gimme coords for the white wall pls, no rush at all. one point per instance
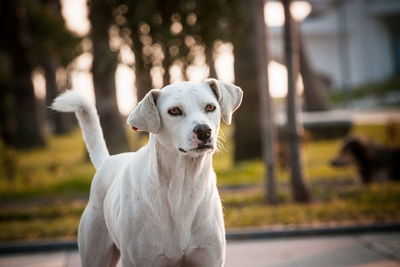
(368, 43)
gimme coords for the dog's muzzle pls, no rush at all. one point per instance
(203, 133)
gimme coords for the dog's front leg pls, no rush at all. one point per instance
(205, 257)
(95, 244)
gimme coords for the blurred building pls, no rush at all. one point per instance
(350, 42)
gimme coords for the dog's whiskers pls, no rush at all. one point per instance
(220, 144)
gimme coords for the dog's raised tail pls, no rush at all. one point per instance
(71, 101)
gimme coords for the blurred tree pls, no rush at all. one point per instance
(133, 14)
(179, 28)
(166, 30)
(7, 118)
(186, 39)
(7, 122)
(104, 65)
(315, 91)
(209, 28)
(298, 180)
(247, 135)
(143, 64)
(267, 122)
(44, 39)
(210, 21)
(151, 27)
(7, 112)
(28, 132)
(55, 47)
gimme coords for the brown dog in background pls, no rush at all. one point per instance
(374, 162)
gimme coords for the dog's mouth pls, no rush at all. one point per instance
(199, 148)
(204, 147)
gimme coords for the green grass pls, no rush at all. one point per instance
(60, 168)
(316, 155)
(43, 192)
(47, 218)
(353, 204)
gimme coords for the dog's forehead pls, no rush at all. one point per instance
(186, 92)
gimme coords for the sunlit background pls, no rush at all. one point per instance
(75, 13)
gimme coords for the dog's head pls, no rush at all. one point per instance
(353, 149)
(185, 116)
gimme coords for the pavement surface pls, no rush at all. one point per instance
(367, 250)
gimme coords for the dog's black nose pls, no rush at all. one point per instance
(203, 132)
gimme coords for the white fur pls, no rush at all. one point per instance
(71, 101)
(160, 206)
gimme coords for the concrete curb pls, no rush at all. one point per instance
(36, 246)
(47, 246)
(312, 231)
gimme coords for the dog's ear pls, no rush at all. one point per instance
(145, 116)
(229, 97)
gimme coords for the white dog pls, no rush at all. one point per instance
(158, 206)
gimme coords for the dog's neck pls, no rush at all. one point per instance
(183, 180)
(172, 163)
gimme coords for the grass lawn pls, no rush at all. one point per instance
(43, 192)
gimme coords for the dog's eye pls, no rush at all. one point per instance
(175, 111)
(210, 108)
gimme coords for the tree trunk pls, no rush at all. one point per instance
(166, 65)
(57, 120)
(28, 128)
(7, 104)
(298, 180)
(315, 91)
(247, 136)
(103, 68)
(7, 114)
(268, 129)
(29, 133)
(142, 71)
(210, 61)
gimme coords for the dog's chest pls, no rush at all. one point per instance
(151, 235)
(164, 219)
(167, 211)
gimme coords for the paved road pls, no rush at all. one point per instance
(365, 250)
